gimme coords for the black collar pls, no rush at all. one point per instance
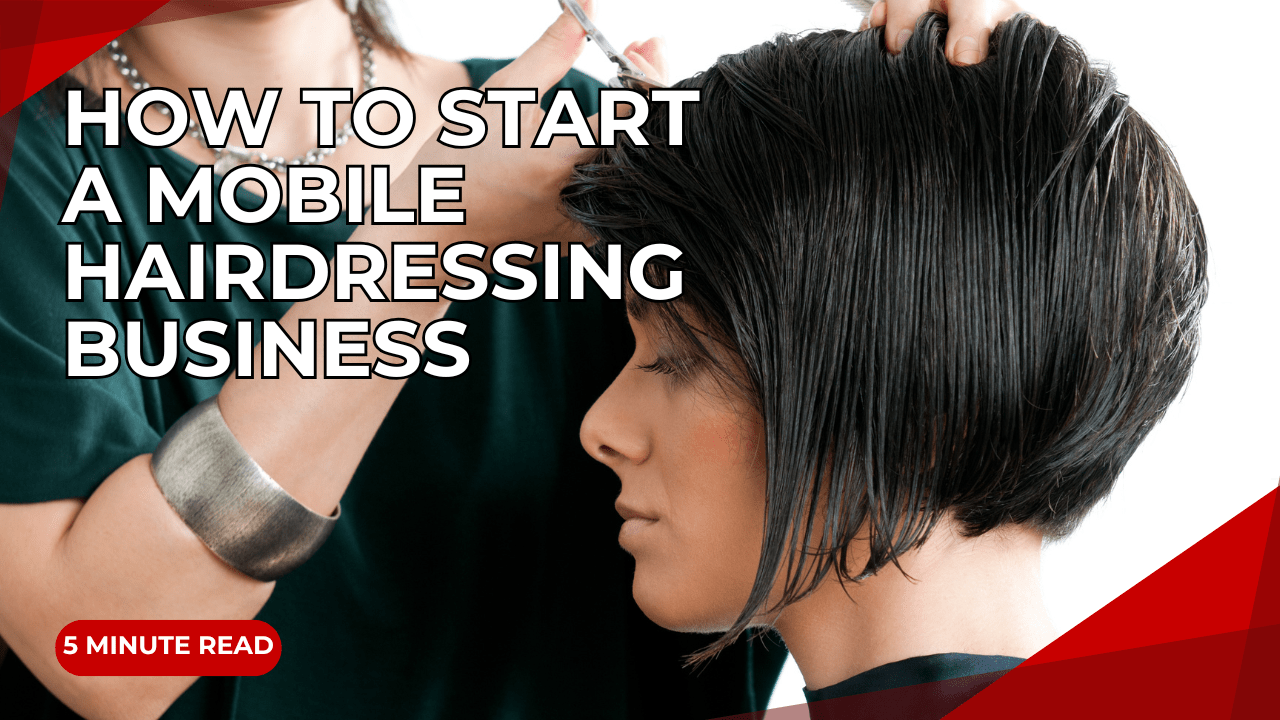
(914, 671)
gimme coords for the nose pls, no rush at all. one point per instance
(614, 431)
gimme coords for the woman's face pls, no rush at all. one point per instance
(691, 461)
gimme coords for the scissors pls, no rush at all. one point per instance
(629, 76)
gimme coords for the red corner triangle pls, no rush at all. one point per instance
(1172, 646)
(49, 37)
(50, 59)
(42, 39)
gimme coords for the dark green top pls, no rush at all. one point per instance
(475, 571)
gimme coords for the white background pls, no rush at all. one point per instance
(1202, 75)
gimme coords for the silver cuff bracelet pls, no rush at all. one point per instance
(230, 502)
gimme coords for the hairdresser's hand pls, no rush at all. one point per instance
(650, 57)
(511, 193)
(971, 23)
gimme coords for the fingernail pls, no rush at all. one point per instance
(903, 36)
(966, 51)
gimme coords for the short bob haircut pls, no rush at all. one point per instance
(946, 290)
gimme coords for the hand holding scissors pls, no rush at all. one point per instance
(629, 74)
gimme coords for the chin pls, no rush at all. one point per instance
(676, 606)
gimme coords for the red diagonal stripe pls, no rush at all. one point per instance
(187, 9)
(49, 59)
(1192, 678)
(17, 34)
(1256, 694)
(63, 19)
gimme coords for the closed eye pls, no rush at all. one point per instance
(677, 369)
(662, 366)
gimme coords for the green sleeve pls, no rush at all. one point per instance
(59, 437)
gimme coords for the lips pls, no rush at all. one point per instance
(630, 513)
(636, 521)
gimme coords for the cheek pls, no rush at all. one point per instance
(724, 481)
(712, 464)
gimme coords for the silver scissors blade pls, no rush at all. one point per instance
(862, 6)
(629, 75)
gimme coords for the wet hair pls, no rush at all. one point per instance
(946, 290)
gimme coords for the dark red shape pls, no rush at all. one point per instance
(1192, 678)
(1258, 692)
(40, 40)
(17, 38)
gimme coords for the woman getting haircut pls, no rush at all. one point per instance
(928, 314)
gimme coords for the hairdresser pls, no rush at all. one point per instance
(430, 548)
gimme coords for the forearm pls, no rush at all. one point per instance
(310, 434)
(121, 554)
(125, 554)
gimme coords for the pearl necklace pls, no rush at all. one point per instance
(230, 156)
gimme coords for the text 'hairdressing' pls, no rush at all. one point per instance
(301, 272)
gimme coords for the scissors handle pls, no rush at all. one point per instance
(629, 75)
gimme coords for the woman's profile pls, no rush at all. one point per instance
(928, 314)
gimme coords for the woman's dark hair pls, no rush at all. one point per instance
(968, 290)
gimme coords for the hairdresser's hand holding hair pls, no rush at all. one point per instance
(512, 193)
(970, 24)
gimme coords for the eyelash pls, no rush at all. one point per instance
(662, 366)
(677, 372)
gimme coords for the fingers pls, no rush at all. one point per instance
(548, 59)
(971, 23)
(900, 20)
(877, 15)
(967, 43)
(650, 57)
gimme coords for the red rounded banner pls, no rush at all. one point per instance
(168, 647)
